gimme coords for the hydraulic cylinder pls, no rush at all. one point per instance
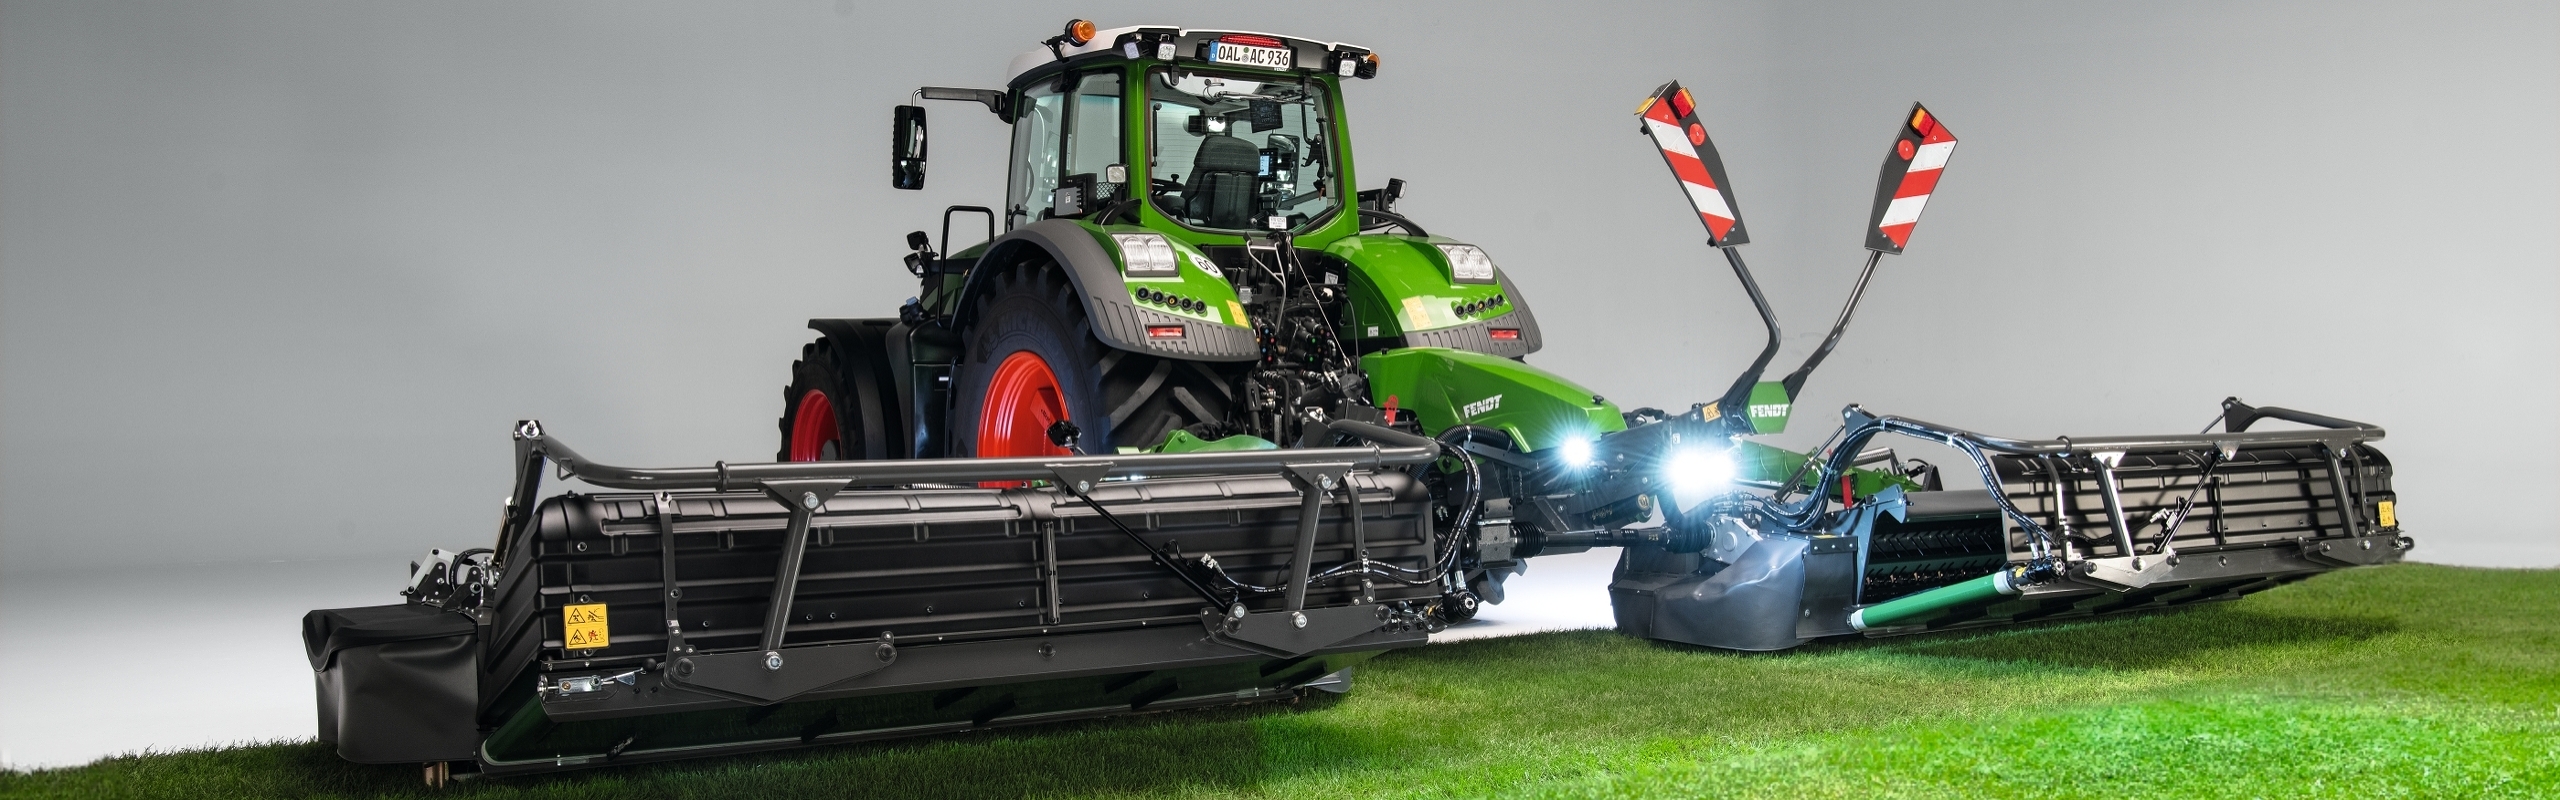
(1919, 606)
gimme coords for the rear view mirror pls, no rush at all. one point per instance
(906, 149)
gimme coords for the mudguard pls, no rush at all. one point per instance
(1402, 291)
(1118, 320)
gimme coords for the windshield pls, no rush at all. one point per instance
(1232, 153)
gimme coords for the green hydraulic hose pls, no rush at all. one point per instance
(1913, 607)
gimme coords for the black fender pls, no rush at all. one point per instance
(1119, 322)
(862, 354)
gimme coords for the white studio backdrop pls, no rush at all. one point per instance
(277, 277)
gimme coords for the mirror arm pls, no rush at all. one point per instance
(995, 99)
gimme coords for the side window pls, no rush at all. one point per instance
(1064, 139)
(1093, 141)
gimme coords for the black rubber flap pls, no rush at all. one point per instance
(327, 631)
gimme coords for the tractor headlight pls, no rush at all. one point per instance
(1468, 263)
(1575, 452)
(1696, 474)
(1146, 254)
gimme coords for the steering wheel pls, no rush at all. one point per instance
(1161, 186)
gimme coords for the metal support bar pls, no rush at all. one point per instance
(786, 578)
(804, 498)
(1739, 395)
(667, 575)
(1794, 381)
(2115, 505)
(2350, 513)
(2061, 508)
(1359, 538)
(1393, 449)
(1049, 568)
(2333, 437)
(1302, 563)
(2355, 464)
(1070, 480)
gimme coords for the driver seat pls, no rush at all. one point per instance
(1219, 193)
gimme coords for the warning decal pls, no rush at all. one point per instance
(582, 627)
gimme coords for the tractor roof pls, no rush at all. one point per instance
(1188, 42)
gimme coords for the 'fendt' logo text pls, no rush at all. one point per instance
(1472, 410)
(1768, 409)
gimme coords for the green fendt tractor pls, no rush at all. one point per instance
(1199, 423)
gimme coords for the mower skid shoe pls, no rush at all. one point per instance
(1751, 604)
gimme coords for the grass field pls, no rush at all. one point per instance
(2402, 681)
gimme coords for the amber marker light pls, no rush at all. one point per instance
(1079, 31)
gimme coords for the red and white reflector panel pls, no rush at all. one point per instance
(1911, 170)
(1671, 118)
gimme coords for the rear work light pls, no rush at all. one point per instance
(1164, 331)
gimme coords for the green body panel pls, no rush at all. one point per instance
(1444, 387)
(1918, 607)
(1769, 407)
(1181, 441)
(1402, 283)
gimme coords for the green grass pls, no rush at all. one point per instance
(2403, 681)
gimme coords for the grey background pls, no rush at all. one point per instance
(275, 277)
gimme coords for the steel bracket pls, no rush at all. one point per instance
(1295, 633)
(769, 677)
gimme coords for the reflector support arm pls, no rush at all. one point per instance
(1794, 382)
(1909, 177)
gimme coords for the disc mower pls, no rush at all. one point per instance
(1197, 424)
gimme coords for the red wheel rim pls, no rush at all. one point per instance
(813, 427)
(1023, 400)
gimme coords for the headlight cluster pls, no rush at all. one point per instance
(1146, 254)
(1468, 263)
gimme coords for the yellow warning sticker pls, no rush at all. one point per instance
(1238, 308)
(582, 627)
(2383, 511)
(1417, 316)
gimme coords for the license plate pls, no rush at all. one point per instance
(1251, 56)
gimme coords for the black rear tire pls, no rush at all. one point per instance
(1118, 398)
(848, 367)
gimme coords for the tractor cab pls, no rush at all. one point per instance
(1206, 136)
